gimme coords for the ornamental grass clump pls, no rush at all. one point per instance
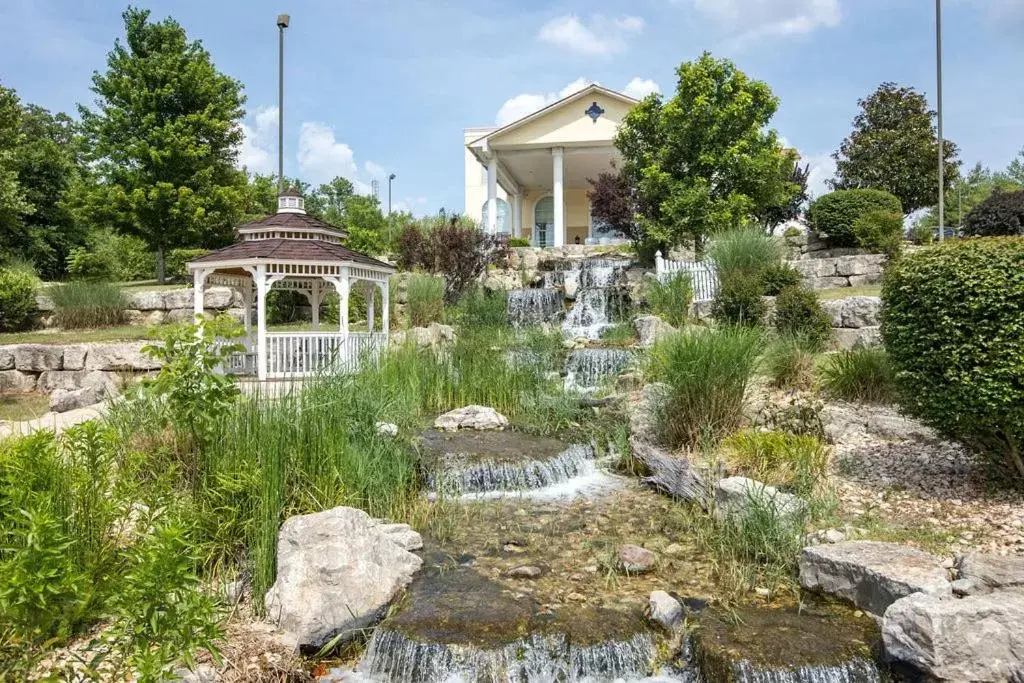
(671, 300)
(83, 304)
(708, 372)
(953, 326)
(861, 375)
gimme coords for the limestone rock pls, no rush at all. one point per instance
(218, 298)
(665, 610)
(471, 417)
(138, 318)
(992, 572)
(734, 495)
(815, 268)
(178, 298)
(203, 673)
(148, 300)
(872, 574)
(524, 572)
(337, 570)
(95, 388)
(51, 380)
(44, 302)
(633, 559)
(432, 336)
(861, 264)
(404, 535)
(120, 356)
(38, 357)
(74, 356)
(834, 309)
(17, 381)
(977, 638)
(387, 429)
(863, 338)
(187, 315)
(650, 329)
(6, 357)
(861, 311)
(643, 421)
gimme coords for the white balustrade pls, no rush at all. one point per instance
(703, 275)
(303, 354)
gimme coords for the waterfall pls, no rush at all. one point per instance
(587, 367)
(534, 306)
(856, 670)
(596, 286)
(487, 476)
(393, 656)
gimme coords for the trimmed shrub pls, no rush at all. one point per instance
(88, 304)
(791, 462)
(17, 299)
(833, 215)
(671, 300)
(745, 251)
(739, 301)
(862, 375)
(1000, 214)
(707, 373)
(880, 231)
(778, 277)
(518, 242)
(798, 312)
(174, 264)
(954, 329)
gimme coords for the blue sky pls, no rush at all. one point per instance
(381, 86)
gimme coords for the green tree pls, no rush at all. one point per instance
(971, 189)
(359, 215)
(165, 134)
(705, 159)
(14, 205)
(894, 147)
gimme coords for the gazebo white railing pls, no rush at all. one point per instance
(303, 354)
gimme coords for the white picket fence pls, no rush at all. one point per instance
(303, 354)
(703, 275)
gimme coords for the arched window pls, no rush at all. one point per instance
(503, 216)
(544, 222)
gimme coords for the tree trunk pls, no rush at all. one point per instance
(161, 275)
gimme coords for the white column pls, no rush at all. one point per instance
(314, 302)
(371, 294)
(559, 195)
(517, 214)
(262, 286)
(344, 286)
(198, 280)
(385, 314)
(492, 196)
(247, 305)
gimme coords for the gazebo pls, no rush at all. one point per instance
(292, 250)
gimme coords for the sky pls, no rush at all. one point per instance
(374, 87)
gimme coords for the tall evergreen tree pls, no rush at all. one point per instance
(165, 134)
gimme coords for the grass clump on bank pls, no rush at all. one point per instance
(789, 364)
(425, 302)
(671, 300)
(862, 375)
(79, 305)
(708, 373)
(791, 462)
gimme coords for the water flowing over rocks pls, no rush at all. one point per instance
(977, 638)
(585, 368)
(337, 571)
(471, 417)
(535, 306)
(872, 574)
(599, 288)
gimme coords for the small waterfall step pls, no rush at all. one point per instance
(535, 306)
(585, 368)
(598, 287)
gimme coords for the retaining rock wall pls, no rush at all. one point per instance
(855, 321)
(840, 271)
(154, 307)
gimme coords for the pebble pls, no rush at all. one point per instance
(524, 572)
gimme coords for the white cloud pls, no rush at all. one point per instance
(600, 37)
(321, 157)
(823, 168)
(525, 104)
(752, 20)
(639, 88)
(375, 170)
(258, 135)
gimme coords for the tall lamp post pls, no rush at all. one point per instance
(942, 145)
(390, 178)
(282, 23)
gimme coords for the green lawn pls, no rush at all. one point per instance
(124, 333)
(844, 292)
(20, 407)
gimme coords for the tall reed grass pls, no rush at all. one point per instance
(425, 303)
(745, 251)
(80, 305)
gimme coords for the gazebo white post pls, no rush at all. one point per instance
(557, 154)
(371, 294)
(314, 302)
(198, 280)
(247, 306)
(261, 321)
(385, 298)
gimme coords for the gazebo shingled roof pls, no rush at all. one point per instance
(291, 221)
(289, 250)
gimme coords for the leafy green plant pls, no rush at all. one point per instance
(671, 299)
(425, 300)
(708, 373)
(792, 462)
(109, 256)
(880, 231)
(740, 301)
(789, 363)
(862, 375)
(832, 216)
(1001, 214)
(922, 233)
(176, 260)
(515, 242)
(745, 251)
(777, 278)
(79, 305)
(954, 331)
(792, 231)
(17, 299)
(798, 313)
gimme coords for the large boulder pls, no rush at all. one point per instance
(650, 329)
(978, 638)
(96, 387)
(863, 338)
(861, 264)
(872, 574)
(74, 356)
(734, 496)
(7, 357)
(643, 420)
(127, 356)
(862, 311)
(17, 381)
(471, 417)
(987, 573)
(38, 357)
(337, 570)
(149, 300)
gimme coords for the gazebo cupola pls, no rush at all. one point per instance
(295, 251)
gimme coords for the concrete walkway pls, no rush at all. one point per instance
(58, 422)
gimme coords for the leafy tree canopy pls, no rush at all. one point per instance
(894, 147)
(165, 133)
(792, 206)
(14, 205)
(705, 159)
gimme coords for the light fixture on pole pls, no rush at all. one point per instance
(390, 178)
(282, 23)
(942, 144)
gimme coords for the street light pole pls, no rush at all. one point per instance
(942, 155)
(282, 23)
(390, 178)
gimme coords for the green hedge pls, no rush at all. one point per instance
(953, 325)
(833, 215)
(1000, 214)
(17, 299)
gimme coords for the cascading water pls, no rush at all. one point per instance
(856, 670)
(587, 367)
(534, 306)
(496, 476)
(596, 286)
(392, 656)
